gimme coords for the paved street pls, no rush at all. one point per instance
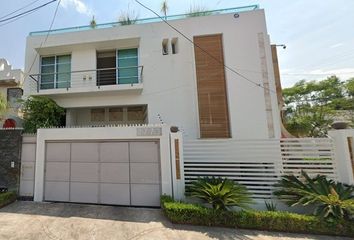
(36, 221)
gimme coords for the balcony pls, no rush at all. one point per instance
(88, 81)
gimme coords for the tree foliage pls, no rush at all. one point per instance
(311, 106)
(3, 105)
(332, 200)
(40, 112)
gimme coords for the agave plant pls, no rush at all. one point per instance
(332, 200)
(271, 206)
(220, 193)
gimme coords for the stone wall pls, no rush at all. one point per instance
(10, 158)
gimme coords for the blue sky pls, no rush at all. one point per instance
(319, 34)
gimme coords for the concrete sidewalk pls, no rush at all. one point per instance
(37, 221)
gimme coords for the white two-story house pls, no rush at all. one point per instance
(215, 81)
(147, 73)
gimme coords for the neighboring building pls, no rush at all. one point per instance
(11, 81)
(147, 72)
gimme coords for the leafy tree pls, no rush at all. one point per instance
(3, 105)
(350, 87)
(40, 112)
(220, 193)
(312, 106)
(331, 200)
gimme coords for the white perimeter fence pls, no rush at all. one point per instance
(258, 164)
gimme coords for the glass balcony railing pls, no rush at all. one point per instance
(147, 20)
(88, 79)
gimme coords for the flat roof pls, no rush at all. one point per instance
(147, 20)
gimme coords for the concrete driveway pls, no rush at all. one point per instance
(37, 221)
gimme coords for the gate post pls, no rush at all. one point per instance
(177, 166)
(344, 154)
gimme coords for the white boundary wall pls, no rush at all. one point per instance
(345, 159)
(159, 132)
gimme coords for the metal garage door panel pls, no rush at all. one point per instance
(58, 152)
(56, 191)
(57, 171)
(145, 173)
(114, 194)
(144, 152)
(84, 192)
(28, 152)
(84, 172)
(145, 195)
(84, 152)
(114, 172)
(114, 152)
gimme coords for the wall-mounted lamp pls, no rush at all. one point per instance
(281, 45)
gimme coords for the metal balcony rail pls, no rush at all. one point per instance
(88, 78)
(148, 20)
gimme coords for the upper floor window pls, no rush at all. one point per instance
(118, 67)
(55, 72)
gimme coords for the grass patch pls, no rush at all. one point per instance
(185, 213)
(7, 198)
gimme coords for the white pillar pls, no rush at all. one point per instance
(177, 166)
(343, 156)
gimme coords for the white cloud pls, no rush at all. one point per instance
(78, 5)
(336, 45)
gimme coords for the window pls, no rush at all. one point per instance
(174, 46)
(116, 114)
(98, 115)
(127, 60)
(165, 47)
(55, 72)
(136, 113)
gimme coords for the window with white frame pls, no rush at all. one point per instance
(55, 72)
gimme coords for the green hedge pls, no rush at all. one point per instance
(184, 213)
(7, 198)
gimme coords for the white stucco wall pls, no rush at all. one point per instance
(169, 82)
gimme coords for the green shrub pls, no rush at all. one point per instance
(220, 193)
(331, 200)
(7, 198)
(40, 112)
(185, 213)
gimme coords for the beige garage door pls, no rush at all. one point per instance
(119, 173)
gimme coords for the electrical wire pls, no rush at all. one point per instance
(18, 18)
(46, 38)
(28, 11)
(205, 51)
(31, 3)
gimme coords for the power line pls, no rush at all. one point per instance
(46, 38)
(205, 51)
(28, 11)
(18, 18)
(31, 3)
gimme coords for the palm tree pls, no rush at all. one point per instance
(164, 8)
